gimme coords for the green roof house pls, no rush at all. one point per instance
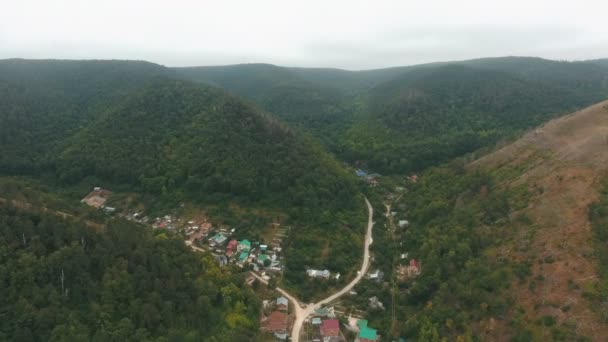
(244, 245)
(262, 258)
(366, 334)
(243, 256)
(217, 240)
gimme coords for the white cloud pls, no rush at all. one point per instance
(338, 33)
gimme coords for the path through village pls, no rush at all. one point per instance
(302, 311)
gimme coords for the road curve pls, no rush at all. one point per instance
(302, 313)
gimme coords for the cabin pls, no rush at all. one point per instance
(366, 334)
(318, 274)
(217, 240)
(330, 330)
(376, 276)
(282, 304)
(96, 198)
(244, 246)
(276, 323)
(262, 258)
(231, 248)
(243, 257)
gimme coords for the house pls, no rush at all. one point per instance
(325, 312)
(221, 259)
(282, 304)
(318, 274)
(243, 257)
(366, 334)
(231, 247)
(316, 321)
(414, 268)
(377, 276)
(217, 240)
(97, 197)
(360, 173)
(330, 330)
(244, 246)
(374, 303)
(277, 323)
(262, 258)
(403, 223)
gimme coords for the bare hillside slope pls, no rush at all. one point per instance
(559, 165)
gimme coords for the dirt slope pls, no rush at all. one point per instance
(560, 165)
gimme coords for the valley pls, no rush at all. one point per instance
(238, 201)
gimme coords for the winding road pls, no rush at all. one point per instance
(301, 311)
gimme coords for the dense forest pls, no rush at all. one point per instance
(63, 281)
(405, 119)
(320, 110)
(457, 218)
(274, 140)
(43, 102)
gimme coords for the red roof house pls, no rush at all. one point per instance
(330, 328)
(276, 322)
(231, 247)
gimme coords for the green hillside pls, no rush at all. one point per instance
(318, 109)
(62, 281)
(430, 115)
(44, 101)
(202, 144)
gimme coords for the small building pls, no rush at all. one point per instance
(375, 303)
(366, 334)
(231, 248)
(403, 223)
(316, 321)
(222, 260)
(96, 198)
(262, 258)
(276, 323)
(414, 268)
(244, 246)
(217, 240)
(376, 276)
(282, 304)
(318, 274)
(325, 312)
(243, 257)
(360, 173)
(330, 330)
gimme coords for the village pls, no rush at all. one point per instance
(336, 321)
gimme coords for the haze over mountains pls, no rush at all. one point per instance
(259, 145)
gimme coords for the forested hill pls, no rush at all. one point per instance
(318, 109)
(427, 116)
(202, 144)
(44, 101)
(61, 281)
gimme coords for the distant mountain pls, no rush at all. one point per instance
(318, 109)
(431, 114)
(44, 101)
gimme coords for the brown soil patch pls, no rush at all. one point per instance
(560, 164)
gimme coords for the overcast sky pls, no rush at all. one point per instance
(329, 33)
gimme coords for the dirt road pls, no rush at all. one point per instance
(302, 313)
